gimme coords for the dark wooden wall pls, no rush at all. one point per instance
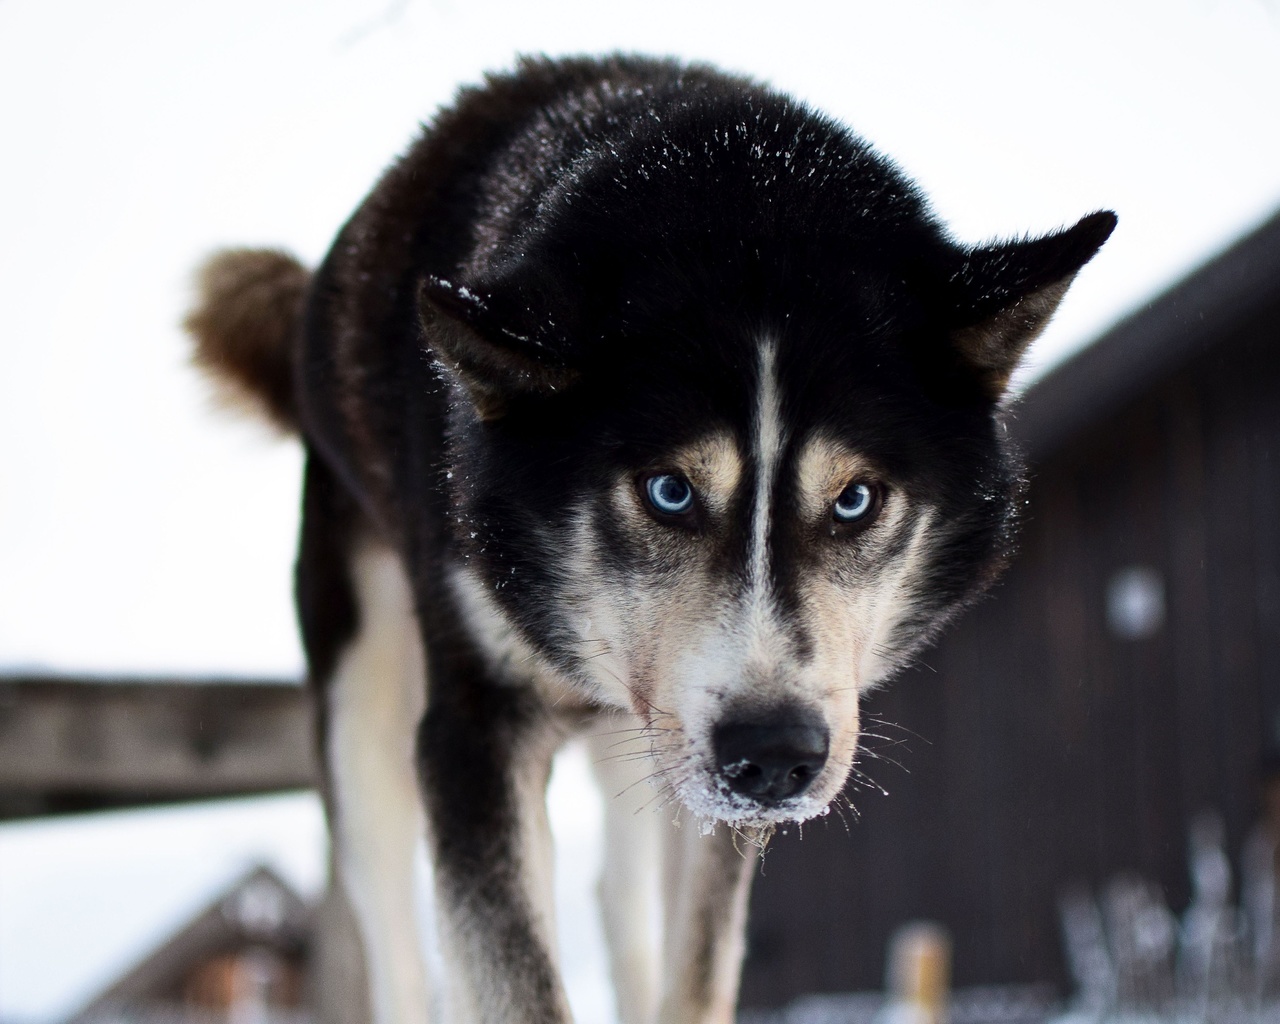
(1038, 748)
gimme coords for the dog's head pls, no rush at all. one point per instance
(729, 427)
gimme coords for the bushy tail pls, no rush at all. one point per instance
(245, 324)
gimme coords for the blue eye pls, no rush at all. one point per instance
(856, 501)
(669, 494)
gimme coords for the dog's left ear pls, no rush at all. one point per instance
(493, 362)
(1004, 294)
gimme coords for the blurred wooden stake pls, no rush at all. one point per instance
(918, 975)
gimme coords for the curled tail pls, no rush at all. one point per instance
(245, 324)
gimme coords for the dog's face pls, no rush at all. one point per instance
(729, 486)
(738, 593)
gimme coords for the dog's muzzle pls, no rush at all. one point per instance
(771, 757)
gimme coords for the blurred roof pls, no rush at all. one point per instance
(259, 909)
(1203, 309)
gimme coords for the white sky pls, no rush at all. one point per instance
(141, 533)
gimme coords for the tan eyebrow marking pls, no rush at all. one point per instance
(712, 464)
(714, 467)
(825, 468)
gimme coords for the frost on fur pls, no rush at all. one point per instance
(245, 320)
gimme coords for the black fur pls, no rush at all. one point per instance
(568, 276)
(634, 227)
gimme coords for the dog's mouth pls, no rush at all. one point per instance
(714, 798)
(763, 770)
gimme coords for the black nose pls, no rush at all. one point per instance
(771, 757)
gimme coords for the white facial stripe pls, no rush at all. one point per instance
(768, 448)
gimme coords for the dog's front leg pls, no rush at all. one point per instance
(485, 755)
(706, 882)
(628, 880)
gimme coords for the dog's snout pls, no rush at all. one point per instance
(770, 758)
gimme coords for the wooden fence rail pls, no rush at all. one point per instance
(83, 744)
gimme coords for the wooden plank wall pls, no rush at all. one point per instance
(1035, 746)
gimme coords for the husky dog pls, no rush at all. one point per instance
(643, 402)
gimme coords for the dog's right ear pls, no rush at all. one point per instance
(493, 363)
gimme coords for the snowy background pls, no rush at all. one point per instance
(141, 533)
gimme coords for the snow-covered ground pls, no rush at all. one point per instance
(139, 532)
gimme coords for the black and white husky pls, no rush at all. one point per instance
(644, 403)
